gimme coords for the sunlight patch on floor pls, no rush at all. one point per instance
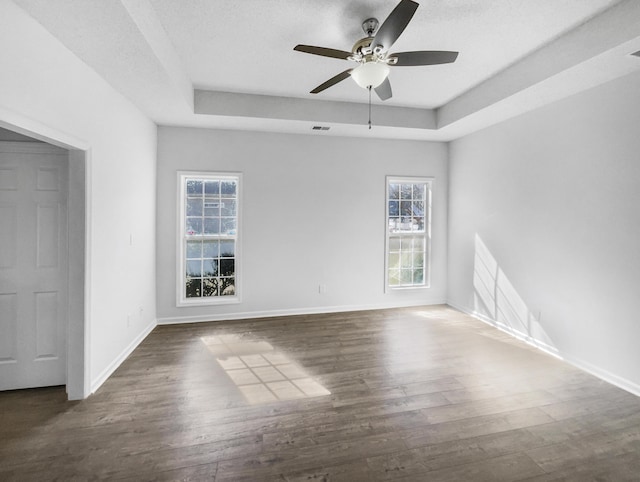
(260, 372)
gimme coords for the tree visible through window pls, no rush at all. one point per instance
(408, 207)
(209, 237)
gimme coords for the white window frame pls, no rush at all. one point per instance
(428, 181)
(181, 241)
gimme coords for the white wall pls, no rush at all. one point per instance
(545, 225)
(313, 213)
(46, 90)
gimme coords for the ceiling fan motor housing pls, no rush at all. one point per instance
(363, 46)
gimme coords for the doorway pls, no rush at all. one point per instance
(42, 265)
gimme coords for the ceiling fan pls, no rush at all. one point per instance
(372, 53)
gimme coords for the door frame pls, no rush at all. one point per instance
(78, 370)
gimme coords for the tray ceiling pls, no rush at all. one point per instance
(237, 60)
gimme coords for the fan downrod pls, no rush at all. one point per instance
(369, 26)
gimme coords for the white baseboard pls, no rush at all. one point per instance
(605, 375)
(550, 350)
(290, 312)
(113, 366)
(598, 372)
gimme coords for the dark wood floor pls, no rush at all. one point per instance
(415, 394)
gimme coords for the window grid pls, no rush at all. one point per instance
(406, 203)
(406, 260)
(209, 237)
(407, 230)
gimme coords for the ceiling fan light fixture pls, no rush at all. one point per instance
(371, 53)
(370, 74)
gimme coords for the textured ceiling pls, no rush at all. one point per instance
(231, 64)
(246, 46)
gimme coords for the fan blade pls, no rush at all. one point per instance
(384, 90)
(332, 81)
(394, 25)
(324, 52)
(424, 57)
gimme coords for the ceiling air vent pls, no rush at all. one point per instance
(320, 128)
(637, 54)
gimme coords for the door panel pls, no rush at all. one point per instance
(8, 315)
(33, 265)
(46, 325)
(47, 235)
(8, 242)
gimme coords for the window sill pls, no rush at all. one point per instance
(390, 289)
(230, 300)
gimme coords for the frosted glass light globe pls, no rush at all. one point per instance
(370, 74)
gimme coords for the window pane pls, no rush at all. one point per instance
(227, 287)
(394, 208)
(193, 286)
(394, 191)
(211, 225)
(194, 187)
(406, 276)
(194, 249)
(228, 189)
(228, 226)
(418, 276)
(394, 260)
(394, 224)
(418, 208)
(210, 249)
(405, 191)
(418, 191)
(394, 244)
(212, 208)
(194, 207)
(407, 244)
(418, 260)
(210, 267)
(210, 287)
(406, 260)
(405, 223)
(227, 249)
(418, 224)
(212, 188)
(194, 226)
(228, 208)
(227, 267)
(405, 208)
(394, 277)
(194, 268)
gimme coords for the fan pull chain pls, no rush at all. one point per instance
(369, 107)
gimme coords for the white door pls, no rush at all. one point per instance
(33, 265)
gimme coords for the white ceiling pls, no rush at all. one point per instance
(515, 55)
(247, 46)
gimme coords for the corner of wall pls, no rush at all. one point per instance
(583, 365)
(113, 366)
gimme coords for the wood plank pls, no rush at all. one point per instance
(423, 393)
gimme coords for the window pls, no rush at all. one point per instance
(408, 232)
(208, 244)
